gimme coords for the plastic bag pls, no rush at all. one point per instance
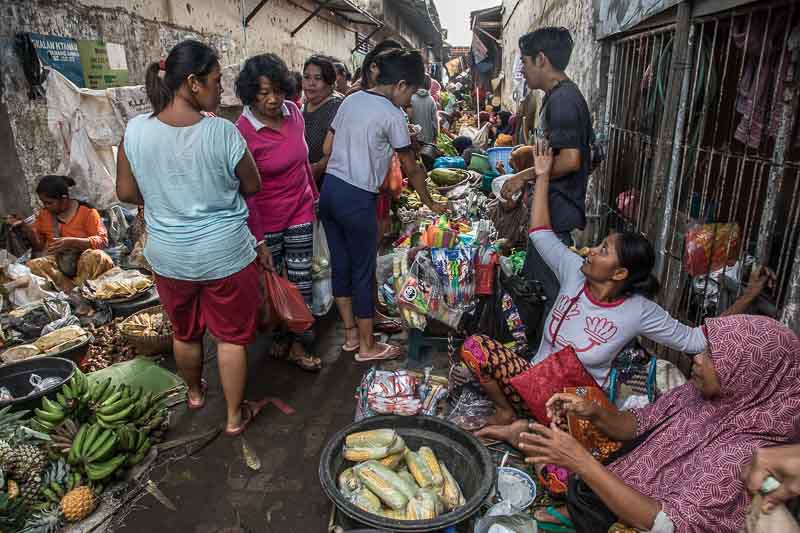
(322, 285)
(710, 247)
(286, 304)
(505, 518)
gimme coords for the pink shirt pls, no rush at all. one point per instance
(436, 89)
(288, 191)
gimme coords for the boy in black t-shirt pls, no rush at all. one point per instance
(566, 122)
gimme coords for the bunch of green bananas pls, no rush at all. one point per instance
(55, 491)
(68, 400)
(95, 450)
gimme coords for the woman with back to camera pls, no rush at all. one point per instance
(192, 173)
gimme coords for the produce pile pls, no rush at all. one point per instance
(54, 466)
(108, 347)
(147, 325)
(409, 199)
(392, 481)
(445, 177)
(50, 344)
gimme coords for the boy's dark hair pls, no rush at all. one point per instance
(269, 66)
(400, 65)
(428, 83)
(326, 67)
(555, 43)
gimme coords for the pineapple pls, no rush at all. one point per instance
(13, 489)
(7, 457)
(30, 462)
(48, 520)
(30, 490)
(78, 503)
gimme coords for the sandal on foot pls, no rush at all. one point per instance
(350, 348)
(249, 413)
(279, 347)
(307, 362)
(565, 525)
(198, 404)
(389, 352)
(388, 325)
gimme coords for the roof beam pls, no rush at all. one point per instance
(254, 12)
(313, 14)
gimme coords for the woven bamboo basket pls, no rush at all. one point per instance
(151, 344)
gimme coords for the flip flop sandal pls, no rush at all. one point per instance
(198, 404)
(350, 348)
(279, 349)
(307, 362)
(390, 352)
(389, 326)
(566, 525)
(252, 410)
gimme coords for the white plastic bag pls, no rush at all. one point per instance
(322, 286)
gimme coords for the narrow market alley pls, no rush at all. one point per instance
(399, 266)
(214, 490)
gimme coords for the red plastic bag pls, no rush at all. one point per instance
(286, 305)
(709, 247)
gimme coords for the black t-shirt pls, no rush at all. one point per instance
(567, 123)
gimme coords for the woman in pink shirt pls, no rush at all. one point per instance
(282, 213)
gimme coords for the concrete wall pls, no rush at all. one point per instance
(522, 16)
(147, 29)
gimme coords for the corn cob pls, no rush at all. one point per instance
(365, 499)
(393, 514)
(427, 455)
(419, 469)
(349, 482)
(358, 455)
(452, 497)
(383, 482)
(425, 505)
(376, 438)
(409, 486)
(392, 461)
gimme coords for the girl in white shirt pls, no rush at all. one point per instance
(603, 303)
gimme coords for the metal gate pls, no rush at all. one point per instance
(734, 155)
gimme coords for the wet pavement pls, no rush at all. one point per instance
(214, 490)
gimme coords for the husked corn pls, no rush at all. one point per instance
(452, 497)
(349, 482)
(419, 469)
(398, 446)
(409, 486)
(392, 461)
(364, 499)
(425, 505)
(376, 438)
(383, 482)
(427, 455)
(358, 455)
(393, 514)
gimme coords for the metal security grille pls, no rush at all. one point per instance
(735, 161)
(362, 43)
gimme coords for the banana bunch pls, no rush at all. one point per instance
(55, 491)
(68, 400)
(95, 449)
(63, 436)
(136, 443)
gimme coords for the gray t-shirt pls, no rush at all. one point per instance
(368, 129)
(597, 330)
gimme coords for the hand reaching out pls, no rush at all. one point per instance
(542, 158)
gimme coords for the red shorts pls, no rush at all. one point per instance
(228, 307)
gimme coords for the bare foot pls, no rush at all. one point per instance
(507, 433)
(502, 417)
(351, 340)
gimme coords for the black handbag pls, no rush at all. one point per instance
(586, 510)
(529, 297)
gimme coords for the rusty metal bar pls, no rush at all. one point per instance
(674, 168)
(254, 12)
(656, 203)
(311, 15)
(656, 31)
(782, 144)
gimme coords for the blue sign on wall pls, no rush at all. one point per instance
(60, 53)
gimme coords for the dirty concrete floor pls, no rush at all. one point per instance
(214, 490)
